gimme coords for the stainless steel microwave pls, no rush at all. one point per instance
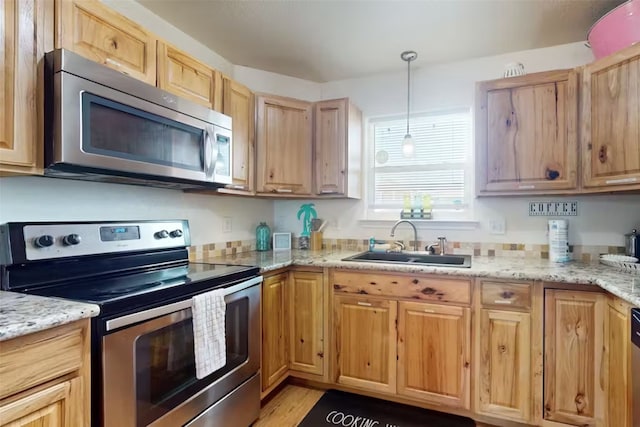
(102, 125)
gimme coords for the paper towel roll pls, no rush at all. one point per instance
(558, 240)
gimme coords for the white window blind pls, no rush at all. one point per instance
(437, 167)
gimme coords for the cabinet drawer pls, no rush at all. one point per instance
(516, 295)
(35, 359)
(412, 286)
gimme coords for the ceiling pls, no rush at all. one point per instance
(326, 40)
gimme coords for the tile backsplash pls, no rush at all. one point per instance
(584, 253)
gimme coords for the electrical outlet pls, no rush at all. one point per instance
(227, 224)
(497, 226)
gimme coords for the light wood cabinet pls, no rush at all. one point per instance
(51, 390)
(187, 77)
(526, 134)
(98, 33)
(611, 122)
(504, 366)
(284, 142)
(306, 306)
(53, 406)
(239, 104)
(275, 329)
(618, 364)
(365, 343)
(337, 144)
(574, 392)
(25, 33)
(508, 359)
(395, 334)
(434, 353)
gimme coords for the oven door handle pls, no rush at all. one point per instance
(141, 316)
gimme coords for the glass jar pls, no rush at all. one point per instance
(263, 237)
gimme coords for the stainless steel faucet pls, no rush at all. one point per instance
(415, 232)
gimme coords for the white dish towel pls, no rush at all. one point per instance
(208, 311)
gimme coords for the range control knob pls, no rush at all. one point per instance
(43, 241)
(176, 233)
(71, 239)
(162, 234)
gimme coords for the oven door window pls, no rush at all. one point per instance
(166, 373)
(113, 129)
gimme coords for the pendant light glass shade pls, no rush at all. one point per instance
(408, 146)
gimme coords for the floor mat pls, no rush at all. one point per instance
(337, 408)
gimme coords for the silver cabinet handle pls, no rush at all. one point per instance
(621, 181)
(366, 304)
(237, 187)
(328, 191)
(284, 190)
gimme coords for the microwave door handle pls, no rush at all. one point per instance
(208, 155)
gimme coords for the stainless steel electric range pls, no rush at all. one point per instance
(142, 353)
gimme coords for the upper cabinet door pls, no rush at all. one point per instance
(338, 140)
(186, 77)
(239, 104)
(98, 33)
(526, 134)
(284, 133)
(611, 121)
(19, 55)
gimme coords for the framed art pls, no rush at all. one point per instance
(281, 241)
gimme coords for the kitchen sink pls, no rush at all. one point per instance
(421, 258)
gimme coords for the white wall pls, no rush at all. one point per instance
(602, 219)
(55, 199)
(272, 83)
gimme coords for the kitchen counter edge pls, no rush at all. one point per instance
(22, 314)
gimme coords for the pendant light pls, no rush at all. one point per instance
(408, 146)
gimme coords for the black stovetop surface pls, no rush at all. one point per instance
(118, 293)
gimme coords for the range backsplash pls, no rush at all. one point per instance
(584, 253)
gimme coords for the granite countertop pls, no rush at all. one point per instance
(22, 314)
(622, 284)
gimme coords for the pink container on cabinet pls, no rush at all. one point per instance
(616, 30)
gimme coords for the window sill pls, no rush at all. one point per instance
(423, 224)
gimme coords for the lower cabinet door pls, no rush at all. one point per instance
(57, 406)
(306, 323)
(504, 382)
(618, 375)
(574, 390)
(434, 353)
(365, 342)
(275, 331)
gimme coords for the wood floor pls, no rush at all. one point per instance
(288, 407)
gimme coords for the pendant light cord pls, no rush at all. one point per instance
(408, 91)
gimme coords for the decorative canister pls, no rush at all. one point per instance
(263, 237)
(559, 240)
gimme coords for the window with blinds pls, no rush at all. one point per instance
(439, 166)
